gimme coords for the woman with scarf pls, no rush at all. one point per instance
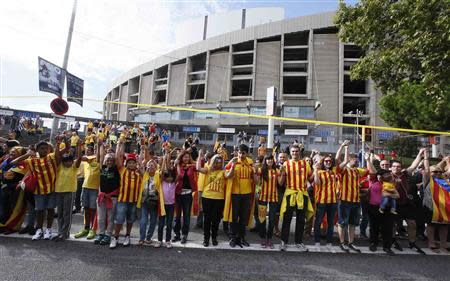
(186, 188)
(14, 204)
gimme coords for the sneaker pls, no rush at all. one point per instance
(157, 244)
(263, 244)
(388, 251)
(169, 245)
(354, 248)
(91, 235)
(148, 241)
(113, 243)
(269, 244)
(344, 247)
(282, 246)
(397, 246)
(176, 239)
(412, 245)
(98, 239)
(126, 242)
(48, 234)
(302, 247)
(184, 240)
(373, 247)
(81, 233)
(245, 243)
(215, 242)
(106, 240)
(38, 235)
(381, 211)
(58, 238)
(205, 242)
(232, 243)
(394, 212)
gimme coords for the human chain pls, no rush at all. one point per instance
(121, 174)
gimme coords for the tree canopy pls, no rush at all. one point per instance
(407, 52)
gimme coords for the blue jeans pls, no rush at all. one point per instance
(321, 210)
(125, 212)
(167, 221)
(145, 212)
(385, 201)
(184, 202)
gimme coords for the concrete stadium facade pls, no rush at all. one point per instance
(303, 57)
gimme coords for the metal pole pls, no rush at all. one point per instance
(363, 141)
(64, 66)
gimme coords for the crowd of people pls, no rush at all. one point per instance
(118, 174)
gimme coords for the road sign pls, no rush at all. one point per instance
(59, 106)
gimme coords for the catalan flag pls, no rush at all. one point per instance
(440, 193)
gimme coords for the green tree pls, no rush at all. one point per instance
(410, 106)
(407, 50)
(404, 146)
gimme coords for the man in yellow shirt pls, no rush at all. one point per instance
(242, 178)
(89, 193)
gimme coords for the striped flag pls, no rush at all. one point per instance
(440, 193)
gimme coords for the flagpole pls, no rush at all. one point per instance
(64, 66)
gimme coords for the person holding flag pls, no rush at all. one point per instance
(240, 195)
(436, 199)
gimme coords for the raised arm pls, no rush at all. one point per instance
(369, 160)
(426, 166)
(344, 146)
(119, 153)
(282, 177)
(229, 174)
(201, 156)
(102, 153)
(316, 174)
(79, 154)
(58, 153)
(416, 161)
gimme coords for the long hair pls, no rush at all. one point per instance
(265, 168)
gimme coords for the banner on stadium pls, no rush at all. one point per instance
(50, 77)
(75, 87)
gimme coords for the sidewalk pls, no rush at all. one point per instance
(195, 240)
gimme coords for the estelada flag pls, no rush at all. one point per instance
(440, 193)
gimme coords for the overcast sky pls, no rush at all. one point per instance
(110, 37)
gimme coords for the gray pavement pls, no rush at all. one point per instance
(23, 259)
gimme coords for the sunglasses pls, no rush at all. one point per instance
(327, 161)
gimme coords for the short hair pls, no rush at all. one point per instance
(41, 143)
(382, 172)
(294, 146)
(396, 161)
(243, 147)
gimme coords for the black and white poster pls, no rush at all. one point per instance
(75, 87)
(50, 77)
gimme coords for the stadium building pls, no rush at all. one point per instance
(303, 57)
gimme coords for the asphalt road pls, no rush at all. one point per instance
(23, 259)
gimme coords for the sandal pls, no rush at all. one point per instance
(435, 249)
(141, 242)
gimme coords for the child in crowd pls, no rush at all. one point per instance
(168, 196)
(65, 186)
(389, 193)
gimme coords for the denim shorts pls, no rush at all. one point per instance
(44, 202)
(349, 213)
(89, 198)
(125, 211)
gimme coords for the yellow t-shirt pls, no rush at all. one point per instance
(214, 185)
(388, 186)
(90, 125)
(243, 180)
(91, 173)
(74, 140)
(201, 179)
(80, 171)
(89, 139)
(100, 136)
(66, 179)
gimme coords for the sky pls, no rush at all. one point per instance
(110, 37)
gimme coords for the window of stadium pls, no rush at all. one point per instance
(352, 52)
(197, 92)
(355, 86)
(241, 88)
(294, 85)
(296, 38)
(160, 96)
